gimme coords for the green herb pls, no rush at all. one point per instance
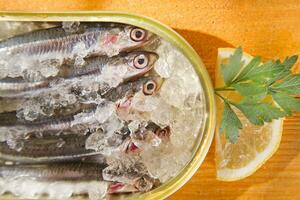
(257, 83)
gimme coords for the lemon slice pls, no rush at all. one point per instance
(255, 145)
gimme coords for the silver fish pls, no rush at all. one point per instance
(149, 85)
(39, 54)
(48, 149)
(79, 171)
(45, 147)
(54, 172)
(121, 95)
(135, 63)
(99, 38)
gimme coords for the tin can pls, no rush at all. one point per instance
(204, 140)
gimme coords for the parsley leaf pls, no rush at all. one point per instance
(252, 65)
(230, 123)
(259, 113)
(265, 89)
(290, 61)
(287, 65)
(290, 84)
(251, 91)
(287, 103)
(230, 70)
(264, 72)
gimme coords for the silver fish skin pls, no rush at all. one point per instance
(135, 63)
(41, 56)
(117, 37)
(130, 88)
(48, 149)
(53, 147)
(73, 171)
(54, 172)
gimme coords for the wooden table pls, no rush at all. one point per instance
(268, 28)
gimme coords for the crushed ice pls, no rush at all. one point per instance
(70, 27)
(31, 189)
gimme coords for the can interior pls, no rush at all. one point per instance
(203, 140)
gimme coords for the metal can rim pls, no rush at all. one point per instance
(178, 41)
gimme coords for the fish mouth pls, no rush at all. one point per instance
(131, 148)
(141, 184)
(118, 187)
(123, 106)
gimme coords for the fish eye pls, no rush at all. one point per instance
(149, 87)
(141, 61)
(137, 34)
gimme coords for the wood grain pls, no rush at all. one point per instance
(270, 28)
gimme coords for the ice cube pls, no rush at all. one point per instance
(143, 103)
(163, 114)
(134, 125)
(70, 27)
(2, 186)
(174, 92)
(9, 28)
(60, 143)
(112, 124)
(104, 111)
(111, 75)
(3, 69)
(59, 190)
(165, 64)
(80, 52)
(97, 191)
(15, 144)
(96, 141)
(12, 136)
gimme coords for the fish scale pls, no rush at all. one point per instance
(55, 172)
(50, 149)
(52, 33)
(48, 146)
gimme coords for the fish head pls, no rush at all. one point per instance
(152, 85)
(135, 37)
(117, 187)
(139, 63)
(128, 175)
(149, 135)
(142, 184)
(125, 38)
(149, 86)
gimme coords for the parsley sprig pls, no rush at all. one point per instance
(257, 83)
